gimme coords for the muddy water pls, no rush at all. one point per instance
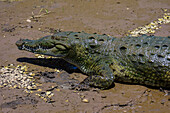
(112, 17)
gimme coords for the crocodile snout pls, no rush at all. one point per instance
(20, 43)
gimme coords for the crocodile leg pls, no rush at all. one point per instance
(102, 77)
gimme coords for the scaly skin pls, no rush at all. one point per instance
(138, 60)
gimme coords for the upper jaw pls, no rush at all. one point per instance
(35, 48)
(29, 45)
(51, 49)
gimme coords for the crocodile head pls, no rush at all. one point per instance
(74, 47)
(48, 45)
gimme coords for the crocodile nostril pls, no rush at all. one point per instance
(19, 42)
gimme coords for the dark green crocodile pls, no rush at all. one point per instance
(138, 60)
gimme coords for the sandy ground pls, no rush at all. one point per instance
(112, 17)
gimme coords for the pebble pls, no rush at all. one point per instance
(28, 20)
(85, 100)
(46, 96)
(14, 77)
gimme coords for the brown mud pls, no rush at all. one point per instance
(34, 19)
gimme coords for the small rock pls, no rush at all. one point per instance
(103, 96)
(28, 20)
(85, 100)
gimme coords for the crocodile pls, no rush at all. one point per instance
(143, 60)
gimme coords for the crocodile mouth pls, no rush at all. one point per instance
(36, 48)
(46, 48)
(30, 46)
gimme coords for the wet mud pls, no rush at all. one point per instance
(34, 19)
